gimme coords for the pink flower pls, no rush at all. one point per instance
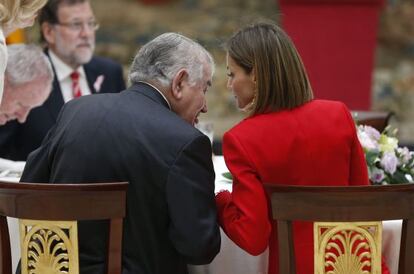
(389, 162)
(368, 138)
(405, 155)
(98, 83)
(372, 133)
(377, 175)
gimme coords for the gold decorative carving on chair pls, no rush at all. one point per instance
(347, 248)
(49, 247)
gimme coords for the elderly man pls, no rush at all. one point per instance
(68, 31)
(144, 135)
(28, 81)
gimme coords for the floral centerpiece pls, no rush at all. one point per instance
(387, 162)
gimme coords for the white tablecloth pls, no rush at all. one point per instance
(232, 259)
(391, 237)
(13, 228)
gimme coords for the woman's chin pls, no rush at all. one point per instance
(246, 107)
(240, 105)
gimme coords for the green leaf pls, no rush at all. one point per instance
(227, 175)
(371, 156)
(398, 178)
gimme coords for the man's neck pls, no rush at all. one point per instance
(159, 89)
(62, 70)
(56, 55)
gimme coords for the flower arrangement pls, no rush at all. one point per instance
(387, 162)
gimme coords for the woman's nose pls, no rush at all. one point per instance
(229, 84)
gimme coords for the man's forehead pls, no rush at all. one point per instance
(74, 11)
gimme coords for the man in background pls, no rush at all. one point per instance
(28, 80)
(144, 135)
(68, 31)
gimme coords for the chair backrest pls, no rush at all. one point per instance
(58, 203)
(342, 204)
(376, 119)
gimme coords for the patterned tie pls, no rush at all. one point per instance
(76, 90)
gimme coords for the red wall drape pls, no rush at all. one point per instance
(337, 40)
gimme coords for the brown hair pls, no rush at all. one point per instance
(15, 11)
(282, 82)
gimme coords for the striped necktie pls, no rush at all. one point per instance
(76, 90)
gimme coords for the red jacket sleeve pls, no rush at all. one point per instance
(358, 174)
(243, 214)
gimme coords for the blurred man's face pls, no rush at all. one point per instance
(19, 100)
(72, 39)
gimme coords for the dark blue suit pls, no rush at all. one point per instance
(133, 136)
(18, 140)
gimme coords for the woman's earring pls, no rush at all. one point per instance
(250, 106)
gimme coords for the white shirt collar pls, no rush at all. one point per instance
(162, 94)
(62, 70)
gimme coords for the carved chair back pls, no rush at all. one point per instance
(349, 228)
(48, 216)
(376, 119)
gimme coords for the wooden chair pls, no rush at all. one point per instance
(376, 119)
(54, 237)
(342, 204)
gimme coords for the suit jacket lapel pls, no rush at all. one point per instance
(55, 100)
(91, 75)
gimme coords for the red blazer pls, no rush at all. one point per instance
(314, 144)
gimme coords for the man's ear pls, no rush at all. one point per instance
(47, 31)
(178, 83)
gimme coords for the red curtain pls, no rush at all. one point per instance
(337, 41)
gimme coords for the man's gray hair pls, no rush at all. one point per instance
(160, 59)
(26, 63)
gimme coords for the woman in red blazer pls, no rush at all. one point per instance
(288, 138)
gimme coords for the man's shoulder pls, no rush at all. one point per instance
(102, 62)
(157, 119)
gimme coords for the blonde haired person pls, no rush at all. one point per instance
(14, 14)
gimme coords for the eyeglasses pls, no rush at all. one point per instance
(78, 26)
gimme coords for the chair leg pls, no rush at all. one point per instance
(405, 265)
(286, 250)
(5, 251)
(115, 246)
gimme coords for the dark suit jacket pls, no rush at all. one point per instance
(133, 136)
(18, 140)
